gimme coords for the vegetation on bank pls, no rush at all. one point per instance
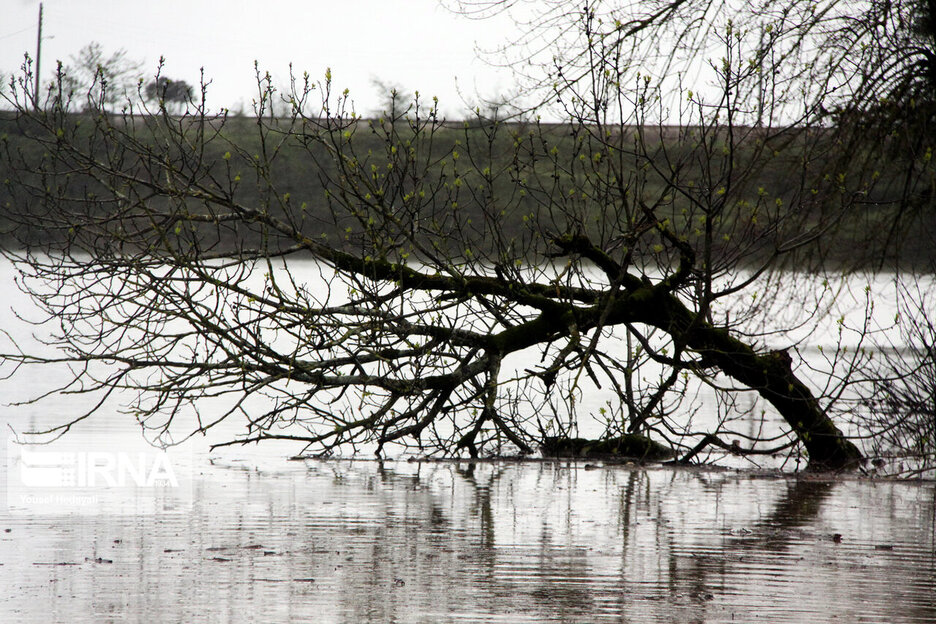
(519, 156)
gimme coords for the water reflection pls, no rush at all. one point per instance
(497, 542)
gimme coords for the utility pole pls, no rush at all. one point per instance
(38, 57)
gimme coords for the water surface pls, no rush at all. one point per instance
(333, 541)
(251, 537)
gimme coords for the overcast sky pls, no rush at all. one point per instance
(416, 44)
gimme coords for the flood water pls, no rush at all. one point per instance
(342, 541)
(245, 535)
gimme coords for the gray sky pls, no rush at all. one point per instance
(416, 44)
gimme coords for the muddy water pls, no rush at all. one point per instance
(273, 540)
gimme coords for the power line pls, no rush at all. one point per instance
(18, 32)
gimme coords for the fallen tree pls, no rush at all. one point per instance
(452, 289)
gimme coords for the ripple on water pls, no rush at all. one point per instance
(359, 542)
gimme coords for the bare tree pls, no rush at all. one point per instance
(467, 284)
(395, 100)
(900, 417)
(862, 73)
(107, 82)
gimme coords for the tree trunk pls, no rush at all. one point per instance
(769, 374)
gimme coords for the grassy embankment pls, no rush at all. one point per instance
(498, 190)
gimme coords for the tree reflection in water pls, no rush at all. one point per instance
(333, 541)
